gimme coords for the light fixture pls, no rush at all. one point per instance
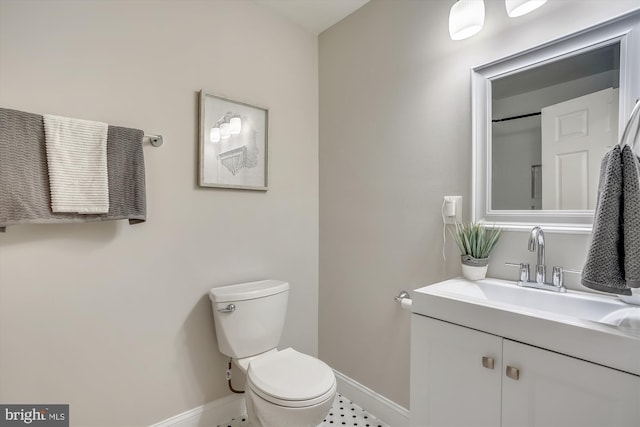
(235, 125)
(214, 134)
(224, 130)
(227, 125)
(466, 18)
(521, 7)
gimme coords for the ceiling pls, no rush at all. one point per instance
(560, 71)
(313, 15)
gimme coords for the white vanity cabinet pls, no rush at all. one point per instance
(558, 390)
(464, 377)
(449, 385)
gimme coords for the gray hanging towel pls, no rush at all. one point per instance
(631, 216)
(604, 268)
(125, 166)
(24, 182)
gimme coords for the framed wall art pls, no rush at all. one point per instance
(233, 144)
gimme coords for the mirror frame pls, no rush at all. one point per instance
(624, 30)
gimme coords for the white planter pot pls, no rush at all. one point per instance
(473, 268)
(470, 272)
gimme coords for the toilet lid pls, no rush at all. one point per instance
(290, 378)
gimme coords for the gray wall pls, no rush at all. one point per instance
(115, 319)
(395, 137)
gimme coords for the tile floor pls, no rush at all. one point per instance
(343, 413)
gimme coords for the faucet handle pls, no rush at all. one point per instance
(558, 277)
(523, 273)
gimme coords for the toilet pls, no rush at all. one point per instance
(284, 388)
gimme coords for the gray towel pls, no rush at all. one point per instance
(613, 261)
(604, 269)
(24, 182)
(631, 216)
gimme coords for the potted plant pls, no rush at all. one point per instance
(475, 241)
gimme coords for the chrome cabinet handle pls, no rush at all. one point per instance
(488, 362)
(513, 373)
(228, 309)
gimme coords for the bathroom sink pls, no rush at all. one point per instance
(580, 305)
(579, 324)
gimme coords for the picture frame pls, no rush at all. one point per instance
(233, 144)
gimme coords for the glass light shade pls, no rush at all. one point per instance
(214, 134)
(235, 125)
(521, 7)
(466, 18)
(225, 132)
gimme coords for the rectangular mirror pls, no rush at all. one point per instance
(543, 119)
(550, 126)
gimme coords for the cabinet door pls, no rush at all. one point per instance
(449, 385)
(557, 390)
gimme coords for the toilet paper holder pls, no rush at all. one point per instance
(404, 299)
(402, 295)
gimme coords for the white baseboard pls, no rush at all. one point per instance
(210, 414)
(377, 405)
(222, 410)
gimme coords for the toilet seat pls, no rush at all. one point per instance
(292, 379)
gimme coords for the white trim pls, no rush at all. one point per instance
(372, 402)
(214, 413)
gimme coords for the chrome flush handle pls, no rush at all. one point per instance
(228, 309)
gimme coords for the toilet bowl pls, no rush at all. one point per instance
(288, 389)
(284, 388)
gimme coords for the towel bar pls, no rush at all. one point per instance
(155, 140)
(627, 127)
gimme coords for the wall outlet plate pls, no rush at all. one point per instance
(455, 203)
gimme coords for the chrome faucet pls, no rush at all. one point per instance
(536, 241)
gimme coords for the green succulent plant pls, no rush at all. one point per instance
(475, 239)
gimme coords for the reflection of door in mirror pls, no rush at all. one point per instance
(566, 178)
(575, 136)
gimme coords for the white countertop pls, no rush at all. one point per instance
(571, 323)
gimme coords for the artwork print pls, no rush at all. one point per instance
(233, 144)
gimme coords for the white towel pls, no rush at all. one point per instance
(77, 164)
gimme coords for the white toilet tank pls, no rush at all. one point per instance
(249, 317)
